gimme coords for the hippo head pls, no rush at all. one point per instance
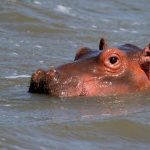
(107, 71)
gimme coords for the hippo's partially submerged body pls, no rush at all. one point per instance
(107, 71)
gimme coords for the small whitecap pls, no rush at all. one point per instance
(134, 31)
(63, 9)
(7, 105)
(115, 31)
(38, 46)
(17, 76)
(94, 26)
(17, 45)
(15, 54)
(37, 2)
(123, 29)
(41, 62)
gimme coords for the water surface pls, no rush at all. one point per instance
(42, 34)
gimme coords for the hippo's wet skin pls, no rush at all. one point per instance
(107, 71)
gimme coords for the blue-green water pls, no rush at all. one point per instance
(42, 34)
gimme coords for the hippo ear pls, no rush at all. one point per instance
(103, 44)
(82, 52)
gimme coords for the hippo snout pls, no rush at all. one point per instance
(37, 82)
(41, 80)
(54, 83)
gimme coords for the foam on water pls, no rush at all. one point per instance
(37, 2)
(17, 45)
(123, 29)
(15, 54)
(38, 46)
(63, 9)
(41, 62)
(7, 105)
(17, 76)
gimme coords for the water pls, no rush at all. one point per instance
(42, 34)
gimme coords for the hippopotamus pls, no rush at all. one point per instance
(105, 71)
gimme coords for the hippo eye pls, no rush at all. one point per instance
(113, 59)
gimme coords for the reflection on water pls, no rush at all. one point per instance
(42, 34)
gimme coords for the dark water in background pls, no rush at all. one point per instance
(41, 34)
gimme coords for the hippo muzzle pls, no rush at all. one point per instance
(55, 83)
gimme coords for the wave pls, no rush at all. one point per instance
(17, 76)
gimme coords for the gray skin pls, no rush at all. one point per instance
(107, 71)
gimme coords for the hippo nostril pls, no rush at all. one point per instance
(147, 50)
(148, 53)
(38, 75)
